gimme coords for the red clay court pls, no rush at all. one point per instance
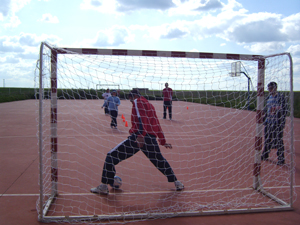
(20, 164)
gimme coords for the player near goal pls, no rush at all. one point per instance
(167, 93)
(274, 121)
(113, 102)
(143, 133)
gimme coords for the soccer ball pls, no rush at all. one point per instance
(117, 182)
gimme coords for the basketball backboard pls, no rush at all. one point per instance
(235, 69)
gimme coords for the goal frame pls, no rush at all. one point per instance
(257, 184)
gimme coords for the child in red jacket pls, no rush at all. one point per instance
(144, 131)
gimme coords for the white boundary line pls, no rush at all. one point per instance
(141, 193)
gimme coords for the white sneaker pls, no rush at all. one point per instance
(101, 189)
(179, 186)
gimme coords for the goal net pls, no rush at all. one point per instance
(216, 131)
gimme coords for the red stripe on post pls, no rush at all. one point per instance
(261, 64)
(178, 54)
(260, 90)
(259, 116)
(53, 85)
(233, 56)
(149, 53)
(256, 169)
(91, 51)
(54, 174)
(54, 145)
(258, 143)
(203, 55)
(119, 52)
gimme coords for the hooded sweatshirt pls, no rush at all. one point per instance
(144, 120)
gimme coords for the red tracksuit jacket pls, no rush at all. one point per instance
(167, 93)
(144, 110)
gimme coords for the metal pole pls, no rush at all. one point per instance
(292, 129)
(248, 98)
(259, 123)
(248, 93)
(41, 92)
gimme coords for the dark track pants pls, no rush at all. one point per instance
(274, 139)
(167, 104)
(128, 148)
(113, 115)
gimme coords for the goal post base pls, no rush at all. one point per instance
(136, 217)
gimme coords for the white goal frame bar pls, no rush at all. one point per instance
(257, 184)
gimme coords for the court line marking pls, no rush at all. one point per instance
(153, 192)
(192, 134)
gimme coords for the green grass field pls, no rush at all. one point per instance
(231, 99)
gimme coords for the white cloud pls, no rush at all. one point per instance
(21, 52)
(174, 33)
(258, 31)
(266, 47)
(126, 6)
(174, 7)
(103, 6)
(5, 7)
(8, 9)
(29, 40)
(294, 50)
(114, 36)
(48, 18)
(132, 5)
(96, 3)
(291, 27)
(14, 21)
(25, 42)
(210, 5)
(11, 59)
(10, 44)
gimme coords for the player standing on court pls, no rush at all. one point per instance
(105, 95)
(113, 102)
(167, 93)
(274, 121)
(143, 133)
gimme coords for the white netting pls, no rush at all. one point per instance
(212, 132)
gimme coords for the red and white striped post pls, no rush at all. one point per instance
(259, 123)
(53, 122)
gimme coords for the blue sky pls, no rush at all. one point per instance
(221, 26)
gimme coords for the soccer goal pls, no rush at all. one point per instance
(216, 130)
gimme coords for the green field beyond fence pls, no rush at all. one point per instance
(232, 99)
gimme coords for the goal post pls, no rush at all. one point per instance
(217, 133)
